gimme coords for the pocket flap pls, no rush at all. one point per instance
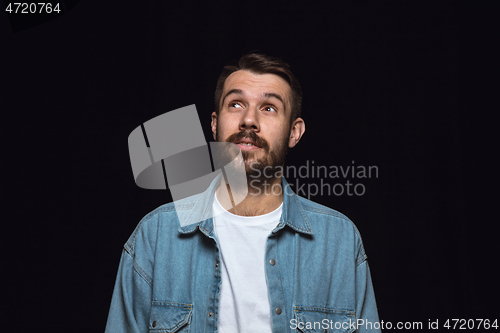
(316, 319)
(169, 317)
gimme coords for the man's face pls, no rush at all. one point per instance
(255, 114)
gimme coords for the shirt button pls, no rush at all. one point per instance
(278, 311)
(272, 262)
(217, 264)
(210, 314)
(154, 323)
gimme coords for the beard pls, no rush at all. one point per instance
(267, 169)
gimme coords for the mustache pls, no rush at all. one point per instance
(249, 134)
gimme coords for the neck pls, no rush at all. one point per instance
(262, 198)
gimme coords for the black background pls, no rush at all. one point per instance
(400, 85)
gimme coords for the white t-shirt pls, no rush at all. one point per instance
(244, 302)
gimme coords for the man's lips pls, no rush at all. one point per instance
(247, 144)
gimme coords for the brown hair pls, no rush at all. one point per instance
(263, 64)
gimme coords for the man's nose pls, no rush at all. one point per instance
(250, 119)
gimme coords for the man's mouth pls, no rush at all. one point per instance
(247, 144)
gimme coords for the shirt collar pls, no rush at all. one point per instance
(199, 210)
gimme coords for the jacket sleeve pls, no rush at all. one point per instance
(132, 295)
(366, 308)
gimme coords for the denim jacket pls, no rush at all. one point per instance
(317, 275)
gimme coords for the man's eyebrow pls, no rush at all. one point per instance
(233, 91)
(275, 96)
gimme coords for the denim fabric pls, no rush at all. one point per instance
(169, 278)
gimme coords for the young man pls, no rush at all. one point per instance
(273, 262)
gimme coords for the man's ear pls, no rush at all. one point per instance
(297, 130)
(214, 125)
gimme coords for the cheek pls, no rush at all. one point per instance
(226, 127)
(276, 132)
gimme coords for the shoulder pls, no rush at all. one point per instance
(332, 224)
(164, 219)
(316, 208)
(323, 213)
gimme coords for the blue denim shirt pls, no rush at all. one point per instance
(169, 277)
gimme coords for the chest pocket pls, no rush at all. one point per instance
(322, 320)
(167, 317)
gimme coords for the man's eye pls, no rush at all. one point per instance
(234, 105)
(270, 109)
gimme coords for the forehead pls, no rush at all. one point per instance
(257, 84)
